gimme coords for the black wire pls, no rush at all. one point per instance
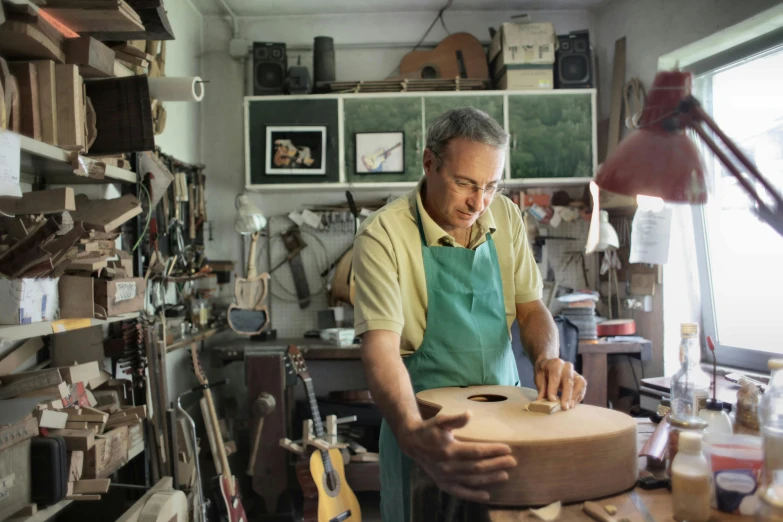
(630, 363)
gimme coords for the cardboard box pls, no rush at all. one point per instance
(24, 301)
(109, 454)
(119, 296)
(15, 480)
(517, 44)
(525, 77)
(110, 297)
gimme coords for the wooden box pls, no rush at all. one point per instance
(14, 478)
(109, 454)
(119, 296)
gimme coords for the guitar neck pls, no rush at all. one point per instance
(218, 435)
(318, 425)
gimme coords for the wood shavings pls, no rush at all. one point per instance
(548, 513)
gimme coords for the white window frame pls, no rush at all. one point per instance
(748, 38)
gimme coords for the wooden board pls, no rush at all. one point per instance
(94, 20)
(105, 214)
(132, 514)
(23, 41)
(27, 78)
(70, 112)
(583, 453)
(20, 355)
(52, 201)
(616, 108)
(94, 58)
(47, 100)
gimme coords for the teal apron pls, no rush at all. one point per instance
(466, 342)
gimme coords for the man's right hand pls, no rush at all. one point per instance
(459, 468)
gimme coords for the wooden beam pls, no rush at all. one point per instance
(53, 201)
(91, 486)
(20, 355)
(27, 78)
(94, 58)
(70, 111)
(47, 100)
(132, 514)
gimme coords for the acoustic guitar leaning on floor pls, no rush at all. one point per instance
(336, 501)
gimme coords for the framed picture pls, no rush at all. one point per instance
(295, 150)
(380, 152)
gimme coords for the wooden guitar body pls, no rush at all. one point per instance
(229, 506)
(580, 454)
(336, 498)
(443, 62)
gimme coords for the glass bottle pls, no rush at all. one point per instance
(771, 421)
(689, 386)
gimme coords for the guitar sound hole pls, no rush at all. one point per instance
(331, 483)
(429, 72)
(487, 397)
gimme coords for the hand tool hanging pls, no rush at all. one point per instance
(294, 243)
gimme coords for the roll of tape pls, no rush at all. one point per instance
(164, 506)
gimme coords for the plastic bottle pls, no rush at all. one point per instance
(771, 421)
(691, 384)
(690, 481)
(718, 419)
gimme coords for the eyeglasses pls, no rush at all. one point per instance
(468, 188)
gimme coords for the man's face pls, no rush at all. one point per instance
(451, 200)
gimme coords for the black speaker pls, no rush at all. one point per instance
(270, 65)
(573, 62)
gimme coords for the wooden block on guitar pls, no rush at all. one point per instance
(543, 406)
(27, 78)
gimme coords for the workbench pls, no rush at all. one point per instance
(595, 365)
(429, 505)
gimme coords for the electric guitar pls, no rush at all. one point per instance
(374, 162)
(225, 486)
(336, 500)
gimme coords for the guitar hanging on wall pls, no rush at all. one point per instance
(336, 500)
(225, 486)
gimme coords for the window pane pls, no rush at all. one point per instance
(745, 254)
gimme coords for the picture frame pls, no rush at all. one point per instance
(299, 150)
(379, 152)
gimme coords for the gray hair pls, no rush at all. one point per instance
(468, 123)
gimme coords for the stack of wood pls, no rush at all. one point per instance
(78, 404)
(95, 15)
(54, 233)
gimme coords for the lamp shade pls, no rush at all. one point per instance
(658, 159)
(249, 218)
(607, 235)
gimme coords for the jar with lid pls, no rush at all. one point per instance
(678, 426)
(690, 385)
(690, 474)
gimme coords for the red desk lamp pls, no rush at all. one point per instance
(660, 160)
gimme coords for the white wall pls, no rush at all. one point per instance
(652, 29)
(181, 136)
(368, 47)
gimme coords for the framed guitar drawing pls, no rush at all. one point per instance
(225, 487)
(336, 500)
(380, 152)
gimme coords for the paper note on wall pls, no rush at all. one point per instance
(10, 161)
(125, 292)
(650, 234)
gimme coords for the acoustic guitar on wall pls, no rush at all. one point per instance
(459, 54)
(336, 500)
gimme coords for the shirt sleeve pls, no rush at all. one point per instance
(528, 285)
(377, 299)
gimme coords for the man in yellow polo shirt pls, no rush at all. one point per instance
(440, 276)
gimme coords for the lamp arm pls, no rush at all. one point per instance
(695, 116)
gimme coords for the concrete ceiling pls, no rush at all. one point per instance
(309, 7)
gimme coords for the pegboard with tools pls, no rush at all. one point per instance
(300, 250)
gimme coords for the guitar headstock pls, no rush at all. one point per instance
(296, 363)
(197, 368)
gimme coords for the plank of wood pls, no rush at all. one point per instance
(23, 41)
(75, 465)
(47, 100)
(70, 126)
(51, 419)
(105, 214)
(52, 201)
(92, 486)
(82, 497)
(616, 108)
(94, 58)
(17, 432)
(60, 390)
(132, 514)
(96, 20)
(27, 78)
(81, 372)
(76, 440)
(27, 511)
(29, 382)
(77, 425)
(20, 355)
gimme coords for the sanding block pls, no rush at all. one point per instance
(543, 406)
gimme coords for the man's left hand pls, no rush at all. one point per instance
(553, 375)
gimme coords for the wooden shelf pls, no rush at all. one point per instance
(18, 332)
(54, 165)
(407, 185)
(44, 514)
